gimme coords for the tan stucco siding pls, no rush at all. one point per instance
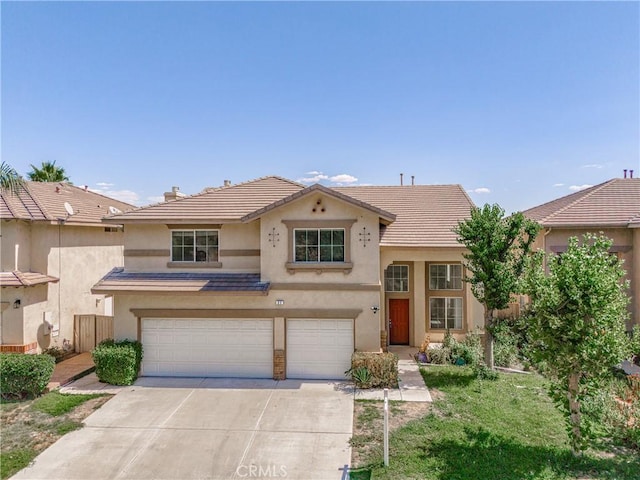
(419, 259)
(15, 246)
(148, 248)
(79, 257)
(362, 246)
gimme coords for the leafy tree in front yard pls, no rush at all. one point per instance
(498, 247)
(578, 313)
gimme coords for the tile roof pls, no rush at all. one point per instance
(425, 214)
(24, 279)
(119, 281)
(386, 216)
(45, 201)
(615, 203)
(218, 205)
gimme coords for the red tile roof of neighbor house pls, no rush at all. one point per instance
(615, 203)
(45, 201)
(418, 215)
(24, 279)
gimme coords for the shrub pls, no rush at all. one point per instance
(118, 363)
(56, 352)
(505, 347)
(467, 352)
(24, 375)
(374, 370)
(482, 372)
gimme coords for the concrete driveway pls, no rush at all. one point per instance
(195, 428)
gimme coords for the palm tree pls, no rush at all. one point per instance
(48, 172)
(10, 180)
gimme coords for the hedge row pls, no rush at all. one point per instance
(374, 370)
(24, 375)
(117, 363)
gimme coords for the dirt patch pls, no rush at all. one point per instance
(368, 419)
(23, 427)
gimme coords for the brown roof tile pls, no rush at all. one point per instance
(44, 201)
(24, 279)
(425, 214)
(615, 203)
(224, 204)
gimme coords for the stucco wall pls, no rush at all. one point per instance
(238, 247)
(418, 259)
(364, 255)
(15, 245)
(79, 256)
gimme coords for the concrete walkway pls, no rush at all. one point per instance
(411, 386)
(71, 369)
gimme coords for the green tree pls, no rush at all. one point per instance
(48, 172)
(577, 324)
(497, 249)
(10, 180)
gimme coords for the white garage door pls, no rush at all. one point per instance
(319, 348)
(207, 347)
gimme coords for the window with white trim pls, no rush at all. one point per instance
(318, 245)
(194, 246)
(445, 276)
(396, 278)
(445, 313)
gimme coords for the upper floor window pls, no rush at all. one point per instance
(319, 245)
(396, 278)
(445, 277)
(194, 246)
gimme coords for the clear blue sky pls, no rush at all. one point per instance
(518, 102)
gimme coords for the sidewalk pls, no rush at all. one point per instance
(71, 369)
(411, 387)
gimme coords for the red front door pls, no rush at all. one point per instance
(399, 321)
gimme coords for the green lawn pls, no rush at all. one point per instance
(495, 430)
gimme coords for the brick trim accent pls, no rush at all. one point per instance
(279, 365)
(25, 348)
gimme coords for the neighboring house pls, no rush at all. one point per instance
(54, 248)
(269, 278)
(611, 208)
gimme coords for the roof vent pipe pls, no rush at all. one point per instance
(401, 175)
(413, 180)
(630, 173)
(625, 173)
(227, 183)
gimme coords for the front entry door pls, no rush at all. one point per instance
(399, 321)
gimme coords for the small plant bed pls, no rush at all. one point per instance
(505, 429)
(30, 426)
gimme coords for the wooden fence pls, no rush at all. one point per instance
(90, 330)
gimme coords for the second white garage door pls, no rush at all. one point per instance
(207, 347)
(319, 348)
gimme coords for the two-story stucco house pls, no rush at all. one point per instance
(611, 208)
(54, 248)
(270, 278)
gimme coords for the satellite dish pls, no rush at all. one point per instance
(68, 208)
(114, 210)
